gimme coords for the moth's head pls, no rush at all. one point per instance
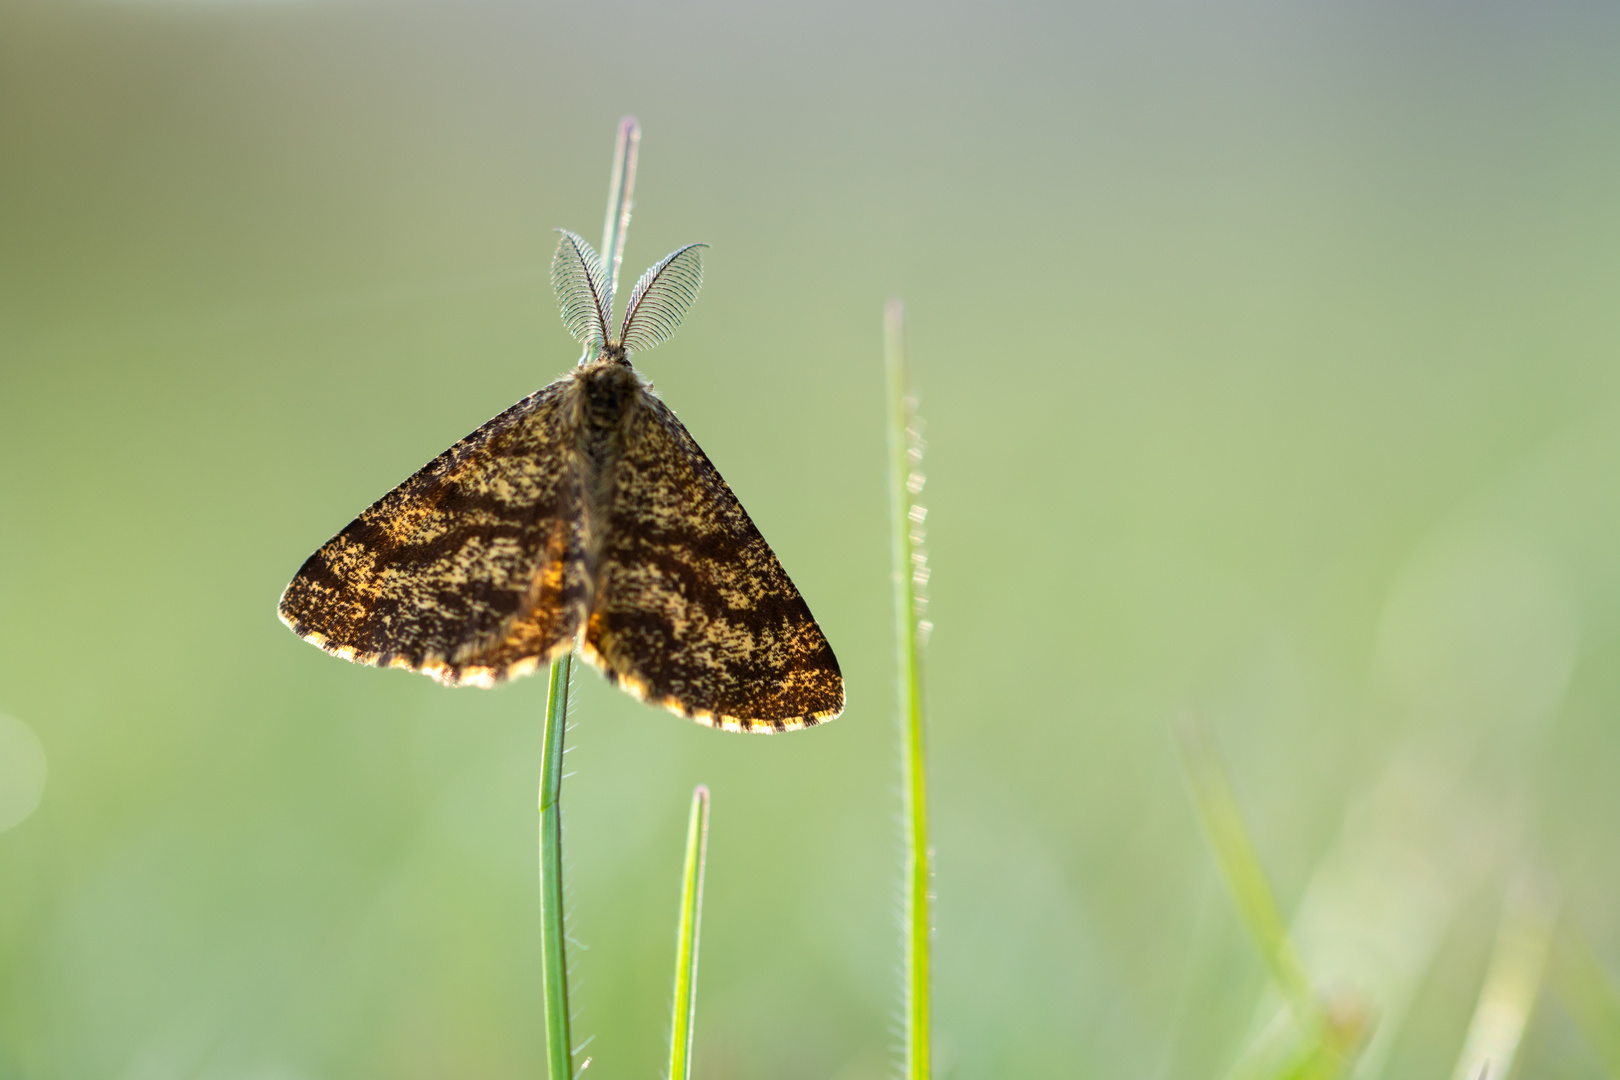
(657, 303)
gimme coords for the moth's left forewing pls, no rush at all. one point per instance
(693, 611)
(469, 571)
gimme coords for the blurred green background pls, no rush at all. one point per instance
(1268, 352)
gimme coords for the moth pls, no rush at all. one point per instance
(585, 514)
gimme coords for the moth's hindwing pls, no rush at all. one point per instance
(470, 570)
(693, 611)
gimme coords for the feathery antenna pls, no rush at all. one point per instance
(660, 299)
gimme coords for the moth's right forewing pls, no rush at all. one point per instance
(693, 611)
(469, 570)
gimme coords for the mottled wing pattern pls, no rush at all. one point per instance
(693, 612)
(470, 570)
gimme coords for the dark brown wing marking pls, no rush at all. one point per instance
(470, 570)
(693, 612)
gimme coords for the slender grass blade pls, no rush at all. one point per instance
(686, 941)
(553, 933)
(553, 944)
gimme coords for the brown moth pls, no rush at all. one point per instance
(586, 513)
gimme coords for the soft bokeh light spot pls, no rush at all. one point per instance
(22, 771)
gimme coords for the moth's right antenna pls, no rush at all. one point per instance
(660, 299)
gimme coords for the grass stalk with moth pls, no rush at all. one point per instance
(553, 932)
(584, 516)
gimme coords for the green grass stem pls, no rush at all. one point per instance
(686, 941)
(910, 574)
(553, 955)
(553, 933)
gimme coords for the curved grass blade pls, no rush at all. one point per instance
(1327, 1036)
(1234, 854)
(1513, 982)
(911, 631)
(686, 941)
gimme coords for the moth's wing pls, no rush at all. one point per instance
(692, 611)
(470, 570)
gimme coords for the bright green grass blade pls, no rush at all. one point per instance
(1512, 982)
(1588, 993)
(910, 575)
(686, 942)
(553, 955)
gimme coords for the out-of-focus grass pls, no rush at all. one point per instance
(1589, 993)
(1327, 1033)
(1513, 982)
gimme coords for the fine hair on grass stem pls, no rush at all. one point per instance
(911, 631)
(553, 933)
(684, 1007)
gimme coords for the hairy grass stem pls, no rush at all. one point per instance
(553, 931)
(684, 1009)
(553, 955)
(911, 630)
